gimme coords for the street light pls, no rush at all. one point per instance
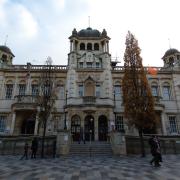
(90, 131)
(65, 125)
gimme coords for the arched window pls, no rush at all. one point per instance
(89, 46)
(96, 47)
(154, 89)
(82, 46)
(22, 87)
(35, 88)
(9, 89)
(117, 90)
(4, 58)
(75, 127)
(166, 91)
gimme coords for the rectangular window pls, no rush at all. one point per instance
(81, 65)
(117, 91)
(89, 64)
(97, 90)
(166, 92)
(35, 90)
(2, 123)
(22, 89)
(9, 90)
(119, 123)
(154, 91)
(173, 125)
(97, 65)
(81, 88)
(56, 123)
(61, 88)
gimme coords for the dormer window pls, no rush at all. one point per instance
(82, 46)
(96, 47)
(4, 58)
(89, 46)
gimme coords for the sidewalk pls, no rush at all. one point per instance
(89, 168)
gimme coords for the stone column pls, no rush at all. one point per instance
(108, 46)
(163, 124)
(96, 137)
(13, 123)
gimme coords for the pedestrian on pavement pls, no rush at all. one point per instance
(25, 155)
(155, 151)
(81, 136)
(34, 148)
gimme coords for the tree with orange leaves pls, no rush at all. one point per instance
(137, 97)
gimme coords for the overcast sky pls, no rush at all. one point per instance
(37, 29)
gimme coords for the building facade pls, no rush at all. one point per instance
(88, 89)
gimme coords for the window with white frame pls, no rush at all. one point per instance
(154, 89)
(9, 90)
(80, 64)
(56, 123)
(81, 90)
(119, 123)
(61, 89)
(22, 89)
(35, 89)
(117, 90)
(97, 90)
(173, 124)
(166, 91)
(2, 123)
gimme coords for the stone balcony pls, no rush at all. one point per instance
(25, 102)
(89, 100)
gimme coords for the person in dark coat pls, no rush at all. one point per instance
(25, 155)
(34, 148)
(155, 151)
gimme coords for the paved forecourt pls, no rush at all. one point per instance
(89, 168)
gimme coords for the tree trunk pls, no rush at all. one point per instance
(43, 139)
(141, 142)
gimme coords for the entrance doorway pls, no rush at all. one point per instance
(75, 127)
(102, 128)
(89, 128)
(28, 125)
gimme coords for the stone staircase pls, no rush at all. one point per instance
(95, 148)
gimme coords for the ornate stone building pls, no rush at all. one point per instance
(88, 89)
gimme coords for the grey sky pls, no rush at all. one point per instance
(40, 28)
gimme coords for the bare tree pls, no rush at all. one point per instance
(47, 97)
(137, 97)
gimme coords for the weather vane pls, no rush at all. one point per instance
(89, 21)
(169, 43)
(6, 38)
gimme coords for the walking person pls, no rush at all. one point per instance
(155, 151)
(25, 155)
(81, 136)
(34, 148)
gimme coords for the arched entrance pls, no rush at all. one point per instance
(102, 128)
(28, 125)
(75, 127)
(89, 128)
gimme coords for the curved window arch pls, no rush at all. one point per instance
(96, 47)
(89, 46)
(82, 46)
(166, 91)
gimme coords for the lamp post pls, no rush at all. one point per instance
(90, 131)
(114, 106)
(65, 125)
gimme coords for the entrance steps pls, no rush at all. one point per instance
(99, 148)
